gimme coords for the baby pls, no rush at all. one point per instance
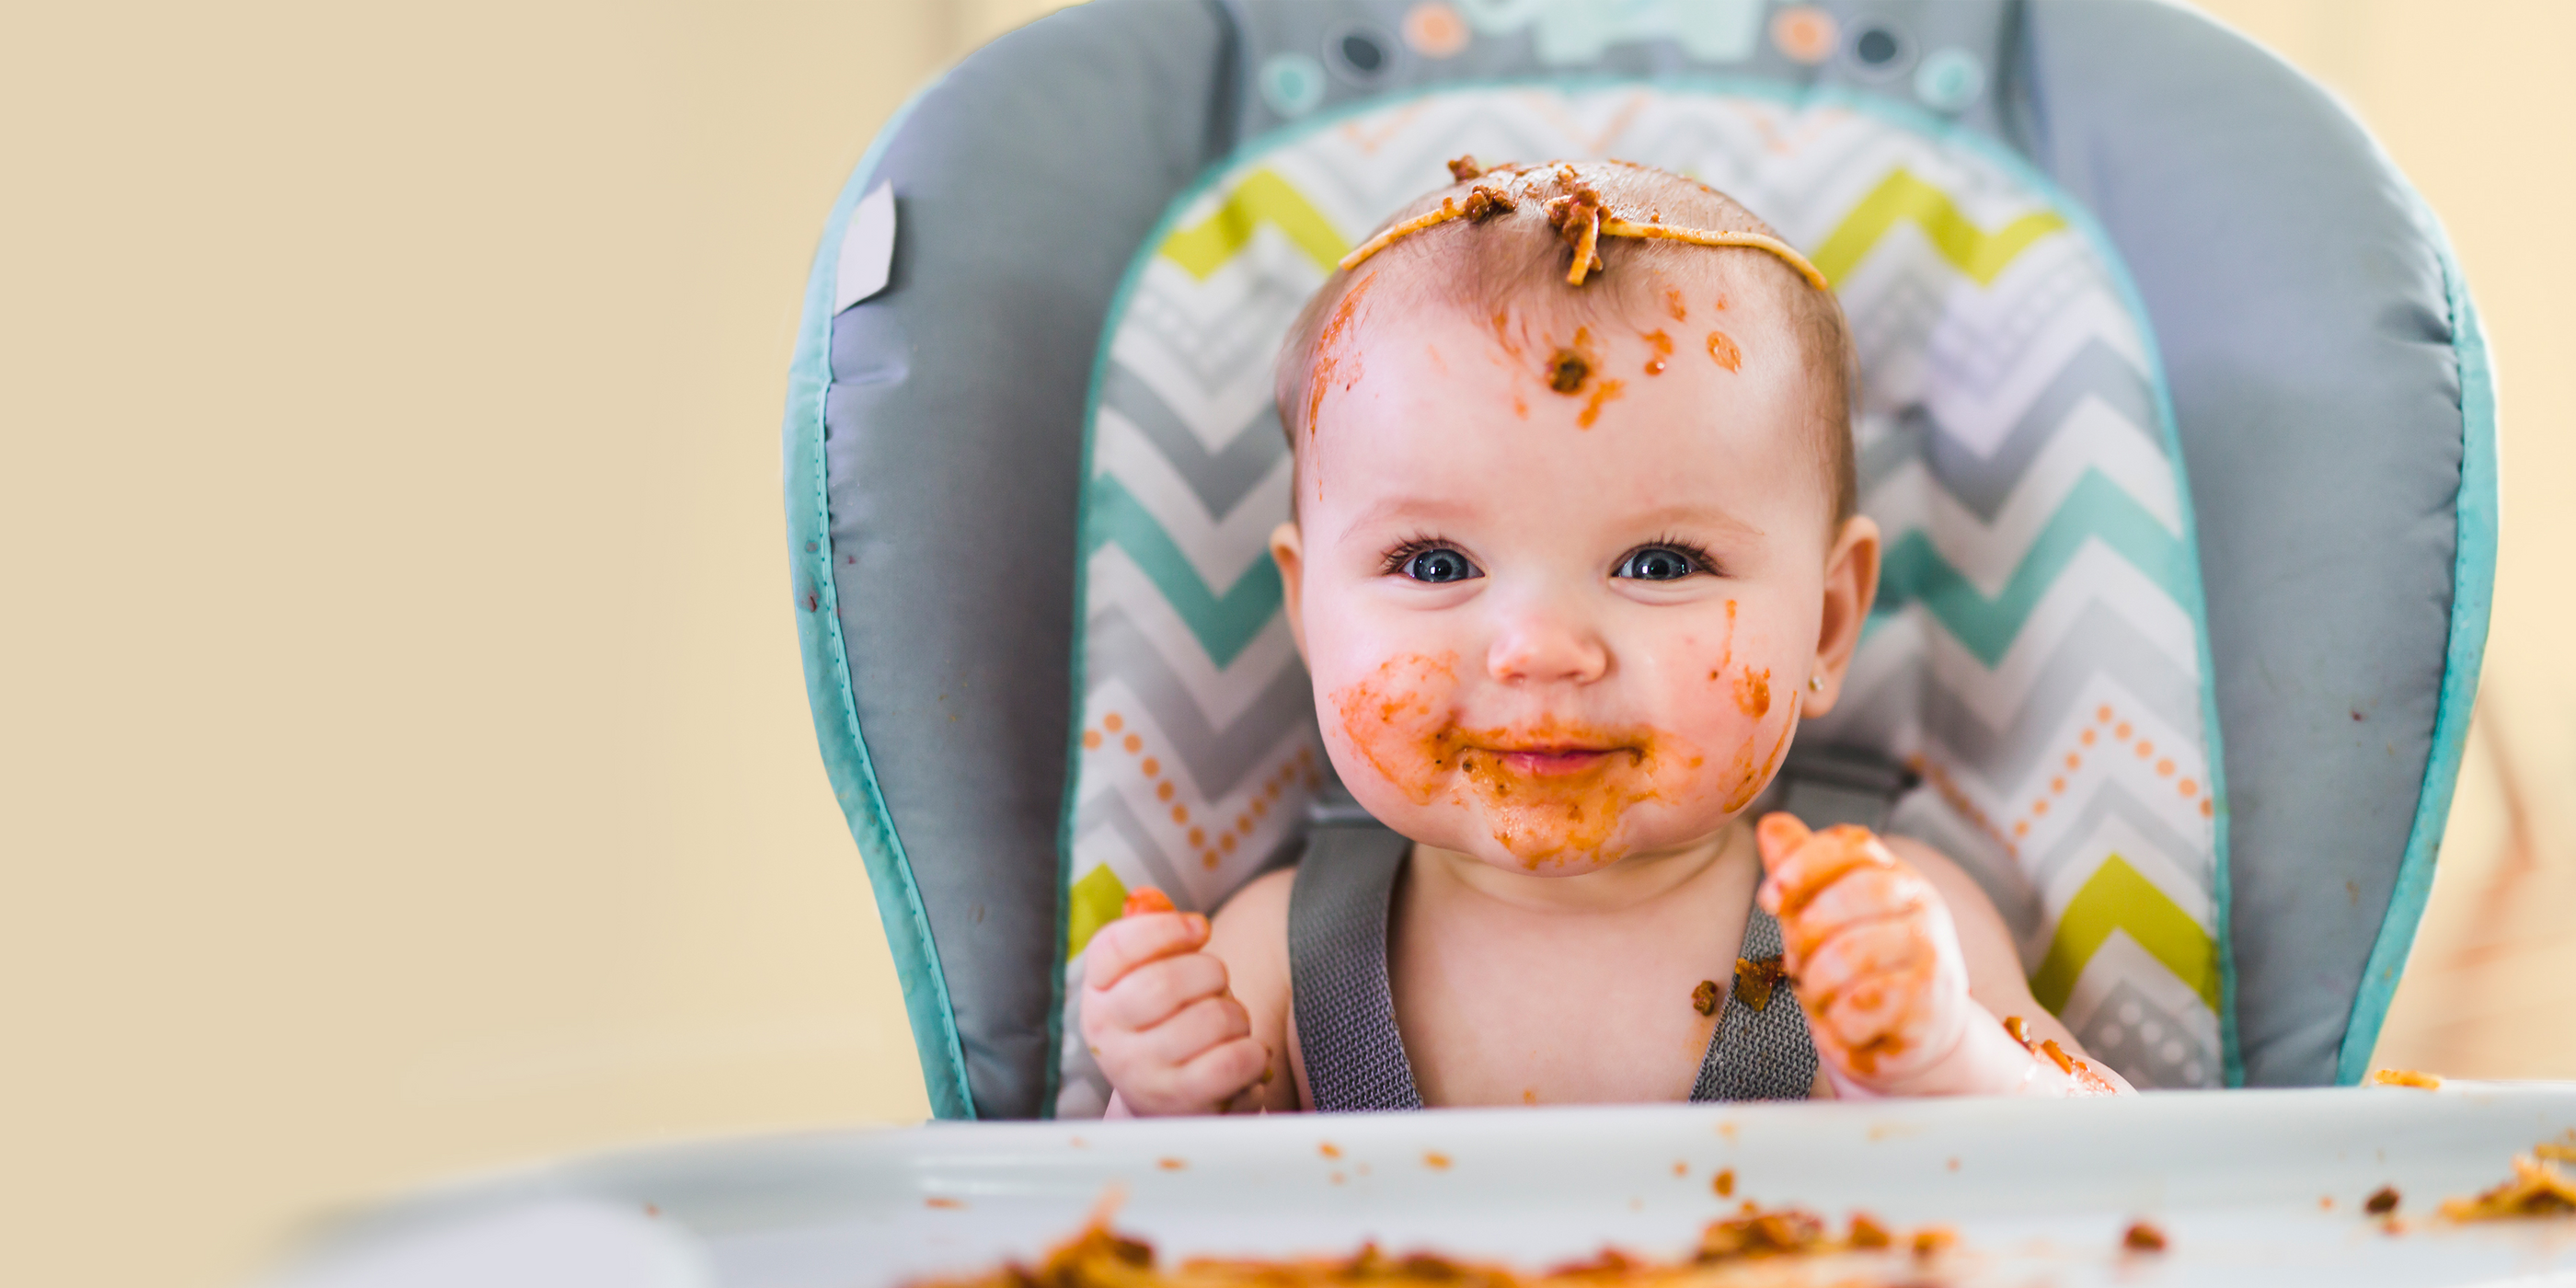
(1573, 550)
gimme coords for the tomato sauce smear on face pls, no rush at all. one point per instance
(1551, 791)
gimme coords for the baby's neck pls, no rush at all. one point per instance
(1634, 880)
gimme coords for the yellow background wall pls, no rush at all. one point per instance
(405, 763)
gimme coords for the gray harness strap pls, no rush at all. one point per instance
(1761, 1050)
(1345, 1004)
(1337, 980)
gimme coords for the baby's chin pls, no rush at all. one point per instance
(1540, 847)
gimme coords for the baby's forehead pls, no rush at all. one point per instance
(1653, 291)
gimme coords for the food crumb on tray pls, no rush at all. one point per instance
(1098, 1256)
(2537, 1189)
(2405, 1078)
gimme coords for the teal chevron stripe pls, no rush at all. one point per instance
(2095, 508)
(1223, 624)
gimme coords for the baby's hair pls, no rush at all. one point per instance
(1591, 239)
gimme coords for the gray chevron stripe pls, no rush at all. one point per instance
(1220, 478)
(1214, 351)
(1217, 760)
(2112, 799)
(2142, 1062)
(1983, 484)
(2101, 642)
(1109, 810)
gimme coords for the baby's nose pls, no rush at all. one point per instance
(1540, 646)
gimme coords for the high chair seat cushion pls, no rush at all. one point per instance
(978, 471)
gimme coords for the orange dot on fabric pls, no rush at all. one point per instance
(1260, 809)
(1313, 781)
(1243, 824)
(2208, 809)
(2022, 828)
(2057, 785)
(1153, 768)
(1198, 836)
(1226, 842)
(2187, 787)
(1805, 34)
(1435, 30)
(2103, 715)
(2145, 749)
(1180, 813)
(1112, 722)
(1132, 743)
(1271, 791)
(2074, 761)
(1207, 858)
(2039, 806)
(1163, 791)
(1305, 755)
(2121, 733)
(2164, 769)
(2087, 737)
(1091, 740)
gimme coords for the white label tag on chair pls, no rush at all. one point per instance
(867, 249)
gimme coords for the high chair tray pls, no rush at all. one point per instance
(2248, 1187)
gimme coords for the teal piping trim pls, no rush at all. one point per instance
(2079, 220)
(2472, 597)
(827, 666)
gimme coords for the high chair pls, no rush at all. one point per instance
(2177, 417)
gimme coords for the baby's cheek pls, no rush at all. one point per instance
(1734, 702)
(1391, 723)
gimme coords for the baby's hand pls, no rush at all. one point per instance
(1875, 957)
(1157, 1015)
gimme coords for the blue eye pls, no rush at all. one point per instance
(1659, 563)
(1438, 565)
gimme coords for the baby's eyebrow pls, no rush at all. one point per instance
(1423, 510)
(1698, 516)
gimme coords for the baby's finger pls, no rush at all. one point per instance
(1778, 836)
(1881, 1011)
(1202, 1025)
(1155, 991)
(1819, 863)
(1130, 942)
(1215, 1076)
(1862, 895)
(1867, 950)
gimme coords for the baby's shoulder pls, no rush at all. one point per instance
(1260, 908)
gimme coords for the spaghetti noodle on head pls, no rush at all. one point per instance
(1592, 242)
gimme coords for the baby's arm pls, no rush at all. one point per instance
(1902, 968)
(1164, 1009)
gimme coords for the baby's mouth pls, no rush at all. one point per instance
(1553, 760)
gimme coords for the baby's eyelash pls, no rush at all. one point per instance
(1698, 553)
(1404, 551)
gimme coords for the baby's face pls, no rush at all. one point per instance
(1552, 629)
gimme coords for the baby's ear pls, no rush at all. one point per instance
(1288, 550)
(1851, 585)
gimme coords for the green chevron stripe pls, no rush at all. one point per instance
(1223, 624)
(2115, 897)
(2096, 508)
(1262, 197)
(1970, 249)
(1093, 902)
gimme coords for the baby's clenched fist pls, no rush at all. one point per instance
(1157, 1015)
(1874, 954)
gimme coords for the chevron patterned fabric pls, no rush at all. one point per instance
(2037, 648)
